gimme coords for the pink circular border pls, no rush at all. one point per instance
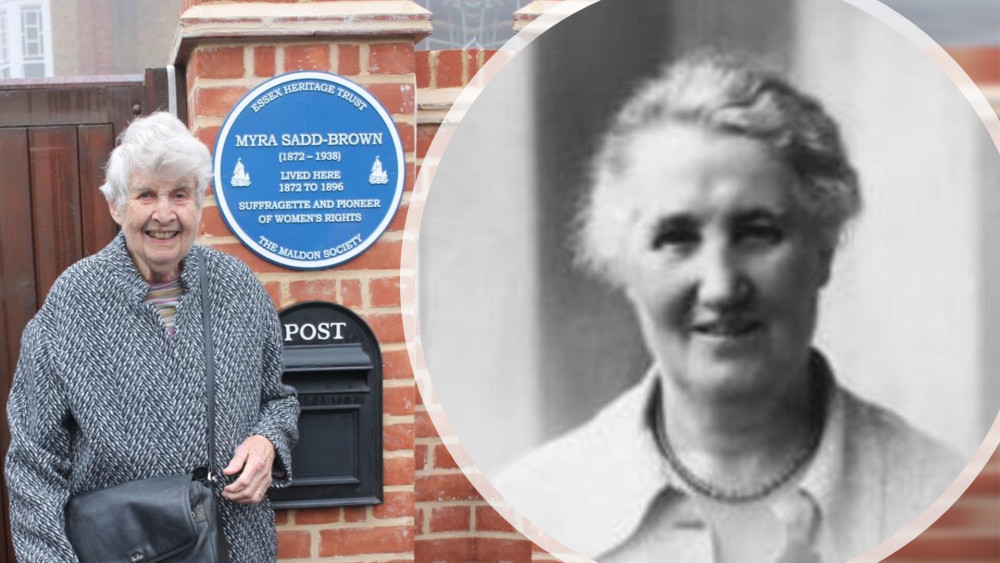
(418, 198)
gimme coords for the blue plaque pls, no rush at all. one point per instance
(309, 170)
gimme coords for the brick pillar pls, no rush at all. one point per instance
(537, 8)
(230, 47)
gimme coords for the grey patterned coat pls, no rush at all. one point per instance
(102, 395)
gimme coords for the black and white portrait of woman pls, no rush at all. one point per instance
(714, 280)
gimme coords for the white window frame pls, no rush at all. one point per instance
(4, 50)
(11, 11)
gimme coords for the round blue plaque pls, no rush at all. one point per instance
(309, 170)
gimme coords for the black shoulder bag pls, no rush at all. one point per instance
(173, 519)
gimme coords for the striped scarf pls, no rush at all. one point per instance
(164, 297)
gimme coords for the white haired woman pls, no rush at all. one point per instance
(718, 198)
(110, 384)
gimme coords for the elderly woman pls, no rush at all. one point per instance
(718, 199)
(110, 385)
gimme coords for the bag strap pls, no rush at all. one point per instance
(206, 320)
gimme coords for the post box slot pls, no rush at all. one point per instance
(327, 381)
(326, 357)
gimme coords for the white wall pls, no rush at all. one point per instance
(901, 318)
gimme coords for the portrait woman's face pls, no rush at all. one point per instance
(722, 264)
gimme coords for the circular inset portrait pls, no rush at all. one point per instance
(718, 280)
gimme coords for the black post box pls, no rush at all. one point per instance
(332, 359)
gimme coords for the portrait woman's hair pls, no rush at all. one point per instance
(727, 93)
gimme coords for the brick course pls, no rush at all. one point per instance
(223, 62)
(307, 57)
(264, 61)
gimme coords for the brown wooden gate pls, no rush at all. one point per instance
(55, 137)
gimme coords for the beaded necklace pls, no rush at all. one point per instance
(734, 496)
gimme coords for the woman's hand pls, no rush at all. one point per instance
(254, 457)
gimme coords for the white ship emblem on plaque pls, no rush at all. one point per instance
(241, 179)
(378, 175)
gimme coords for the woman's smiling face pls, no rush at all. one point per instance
(722, 264)
(160, 222)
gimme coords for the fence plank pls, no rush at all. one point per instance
(17, 270)
(56, 202)
(95, 142)
(17, 264)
